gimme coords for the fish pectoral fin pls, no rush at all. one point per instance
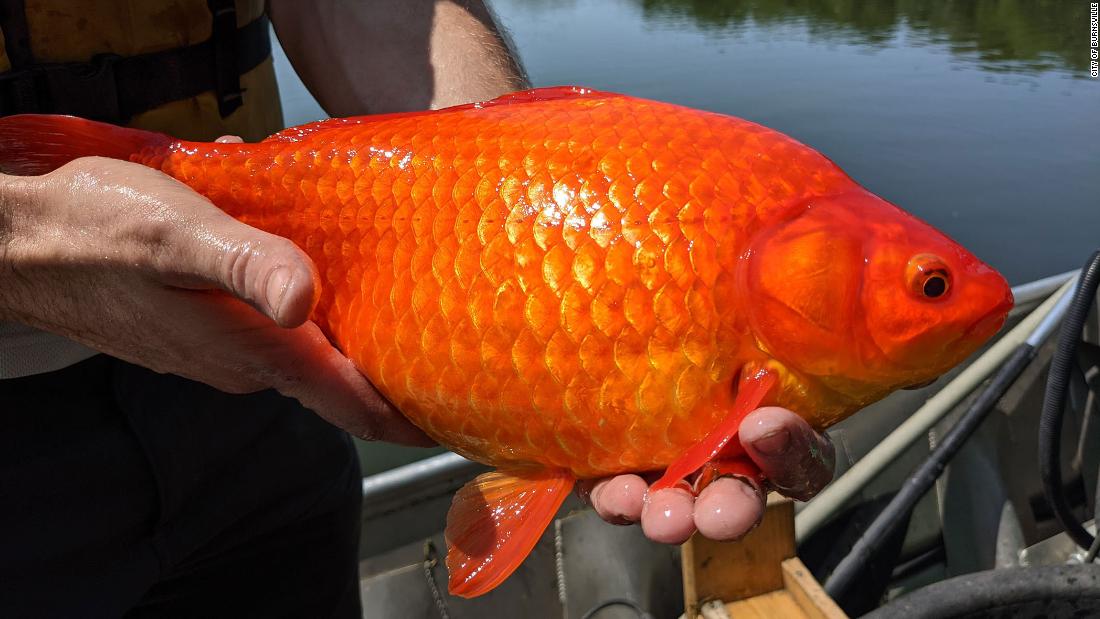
(494, 522)
(751, 391)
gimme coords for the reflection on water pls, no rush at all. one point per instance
(1019, 35)
(977, 116)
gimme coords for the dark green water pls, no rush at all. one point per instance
(978, 116)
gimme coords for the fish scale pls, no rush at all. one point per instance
(569, 284)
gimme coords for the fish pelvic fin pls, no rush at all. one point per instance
(41, 143)
(752, 389)
(494, 522)
(738, 466)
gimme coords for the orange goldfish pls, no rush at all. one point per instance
(565, 284)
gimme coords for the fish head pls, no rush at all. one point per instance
(860, 298)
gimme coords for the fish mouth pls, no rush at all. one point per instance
(986, 327)
(989, 325)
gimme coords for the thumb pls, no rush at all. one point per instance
(268, 272)
(797, 460)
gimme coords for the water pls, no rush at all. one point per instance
(979, 117)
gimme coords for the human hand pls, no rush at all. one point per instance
(135, 264)
(797, 461)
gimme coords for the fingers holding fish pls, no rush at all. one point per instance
(205, 248)
(269, 273)
(153, 226)
(725, 510)
(668, 515)
(618, 500)
(728, 508)
(238, 350)
(328, 383)
(797, 461)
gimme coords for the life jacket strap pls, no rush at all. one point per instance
(114, 88)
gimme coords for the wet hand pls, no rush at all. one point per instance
(135, 264)
(797, 461)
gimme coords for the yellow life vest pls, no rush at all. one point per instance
(95, 32)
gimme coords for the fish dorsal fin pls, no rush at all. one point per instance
(534, 95)
(752, 389)
(494, 522)
(551, 93)
(297, 134)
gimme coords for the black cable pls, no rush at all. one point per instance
(928, 558)
(898, 510)
(1054, 402)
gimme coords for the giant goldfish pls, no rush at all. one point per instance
(567, 284)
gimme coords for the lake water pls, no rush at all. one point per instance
(979, 117)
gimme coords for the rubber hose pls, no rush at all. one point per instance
(898, 510)
(1051, 592)
(1054, 402)
(631, 604)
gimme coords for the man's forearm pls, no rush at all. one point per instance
(373, 56)
(9, 196)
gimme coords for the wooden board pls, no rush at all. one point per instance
(736, 570)
(757, 577)
(807, 592)
(774, 605)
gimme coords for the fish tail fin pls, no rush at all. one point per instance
(40, 143)
(495, 521)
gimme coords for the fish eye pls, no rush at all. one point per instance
(935, 285)
(928, 277)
